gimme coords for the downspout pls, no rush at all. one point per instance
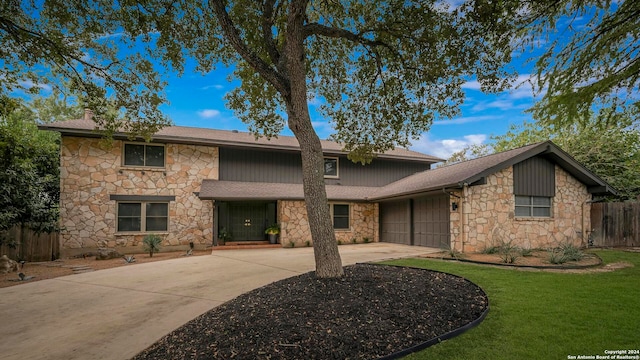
(463, 217)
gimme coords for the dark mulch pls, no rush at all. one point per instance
(373, 311)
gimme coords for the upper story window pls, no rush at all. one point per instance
(331, 167)
(533, 206)
(143, 155)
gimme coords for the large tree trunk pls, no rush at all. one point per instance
(325, 247)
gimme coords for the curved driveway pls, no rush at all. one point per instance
(116, 313)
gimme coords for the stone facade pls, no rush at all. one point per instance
(487, 215)
(295, 231)
(91, 172)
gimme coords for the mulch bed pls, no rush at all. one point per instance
(371, 312)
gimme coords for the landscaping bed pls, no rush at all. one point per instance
(534, 259)
(69, 266)
(373, 311)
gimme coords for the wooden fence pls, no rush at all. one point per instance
(615, 224)
(24, 244)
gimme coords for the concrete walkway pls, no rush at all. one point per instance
(116, 313)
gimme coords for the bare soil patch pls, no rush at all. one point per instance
(373, 311)
(70, 266)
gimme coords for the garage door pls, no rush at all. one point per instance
(394, 222)
(431, 221)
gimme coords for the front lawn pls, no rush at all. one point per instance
(546, 315)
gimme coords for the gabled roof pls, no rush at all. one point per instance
(202, 136)
(467, 172)
(240, 190)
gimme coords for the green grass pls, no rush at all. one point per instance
(544, 315)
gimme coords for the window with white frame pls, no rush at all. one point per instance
(533, 206)
(331, 167)
(143, 216)
(146, 155)
(340, 216)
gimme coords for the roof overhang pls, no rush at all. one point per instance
(221, 190)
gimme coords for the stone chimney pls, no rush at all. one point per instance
(88, 114)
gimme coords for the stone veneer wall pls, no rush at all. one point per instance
(91, 172)
(294, 225)
(488, 216)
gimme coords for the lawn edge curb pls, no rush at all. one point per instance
(541, 267)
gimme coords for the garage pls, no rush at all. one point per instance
(431, 221)
(421, 221)
(394, 222)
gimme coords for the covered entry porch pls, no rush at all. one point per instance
(244, 221)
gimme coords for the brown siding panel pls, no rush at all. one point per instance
(285, 167)
(534, 177)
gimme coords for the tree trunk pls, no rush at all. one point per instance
(325, 247)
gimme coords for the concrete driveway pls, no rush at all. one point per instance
(116, 313)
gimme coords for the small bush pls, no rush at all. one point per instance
(565, 253)
(353, 240)
(307, 243)
(366, 240)
(151, 243)
(292, 244)
(526, 252)
(491, 250)
(508, 252)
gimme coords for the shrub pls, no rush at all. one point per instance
(564, 253)
(508, 252)
(151, 243)
(526, 252)
(491, 250)
(366, 240)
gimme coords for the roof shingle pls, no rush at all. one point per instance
(192, 135)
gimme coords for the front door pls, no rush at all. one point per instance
(247, 221)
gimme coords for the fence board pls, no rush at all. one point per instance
(31, 246)
(615, 224)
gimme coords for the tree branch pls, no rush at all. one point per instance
(319, 29)
(279, 81)
(267, 35)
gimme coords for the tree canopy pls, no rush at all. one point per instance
(29, 170)
(76, 49)
(592, 65)
(383, 71)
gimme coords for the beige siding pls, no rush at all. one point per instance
(91, 172)
(487, 217)
(294, 225)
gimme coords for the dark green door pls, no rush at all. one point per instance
(247, 221)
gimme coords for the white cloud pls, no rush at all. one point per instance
(215, 86)
(28, 84)
(443, 148)
(208, 113)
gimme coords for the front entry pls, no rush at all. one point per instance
(246, 221)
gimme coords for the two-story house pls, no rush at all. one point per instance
(203, 186)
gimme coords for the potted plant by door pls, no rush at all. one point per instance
(273, 231)
(224, 236)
